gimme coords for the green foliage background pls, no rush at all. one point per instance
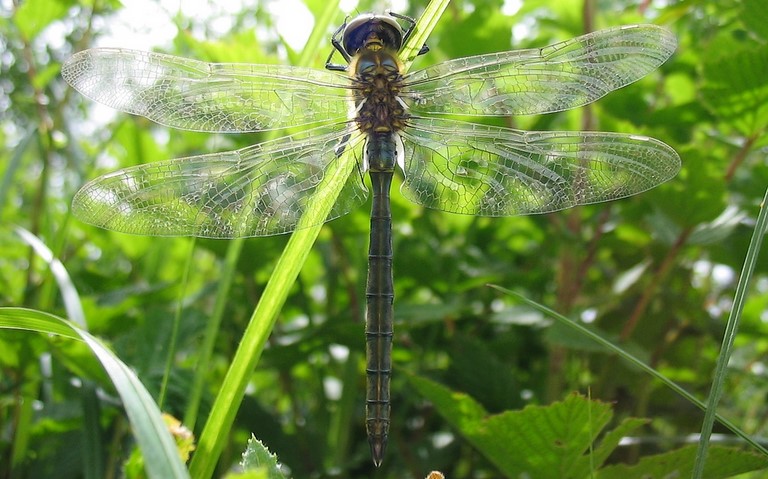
(655, 273)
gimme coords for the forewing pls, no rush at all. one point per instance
(484, 170)
(260, 190)
(214, 97)
(554, 78)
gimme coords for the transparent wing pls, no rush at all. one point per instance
(554, 78)
(490, 171)
(260, 190)
(215, 97)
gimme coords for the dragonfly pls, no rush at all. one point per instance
(369, 113)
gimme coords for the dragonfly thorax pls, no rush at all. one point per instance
(378, 107)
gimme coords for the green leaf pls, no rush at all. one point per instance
(462, 411)
(539, 441)
(755, 17)
(633, 360)
(46, 75)
(160, 454)
(258, 458)
(734, 86)
(611, 440)
(554, 441)
(701, 196)
(36, 321)
(33, 16)
(722, 462)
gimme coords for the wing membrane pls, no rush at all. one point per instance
(214, 97)
(260, 190)
(490, 171)
(555, 78)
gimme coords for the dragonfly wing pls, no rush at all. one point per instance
(260, 190)
(490, 171)
(214, 97)
(555, 78)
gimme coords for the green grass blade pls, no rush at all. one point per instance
(318, 39)
(731, 328)
(236, 246)
(214, 435)
(633, 360)
(421, 31)
(156, 444)
(262, 321)
(92, 454)
(69, 294)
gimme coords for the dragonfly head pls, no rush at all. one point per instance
(372, 30)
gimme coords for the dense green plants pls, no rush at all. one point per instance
(480, 373)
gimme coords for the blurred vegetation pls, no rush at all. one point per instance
(654, 273)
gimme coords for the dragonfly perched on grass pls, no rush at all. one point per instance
(368, 108)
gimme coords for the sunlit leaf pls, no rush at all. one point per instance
(722, 463)
(755, 17)
(734, 86)
(257, 457)
(538, 441)
(33, 16)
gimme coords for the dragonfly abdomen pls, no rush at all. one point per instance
(379, 324)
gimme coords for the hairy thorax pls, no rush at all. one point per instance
(378, 108)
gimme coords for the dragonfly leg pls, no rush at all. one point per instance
(411, 26)
(337, 47)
